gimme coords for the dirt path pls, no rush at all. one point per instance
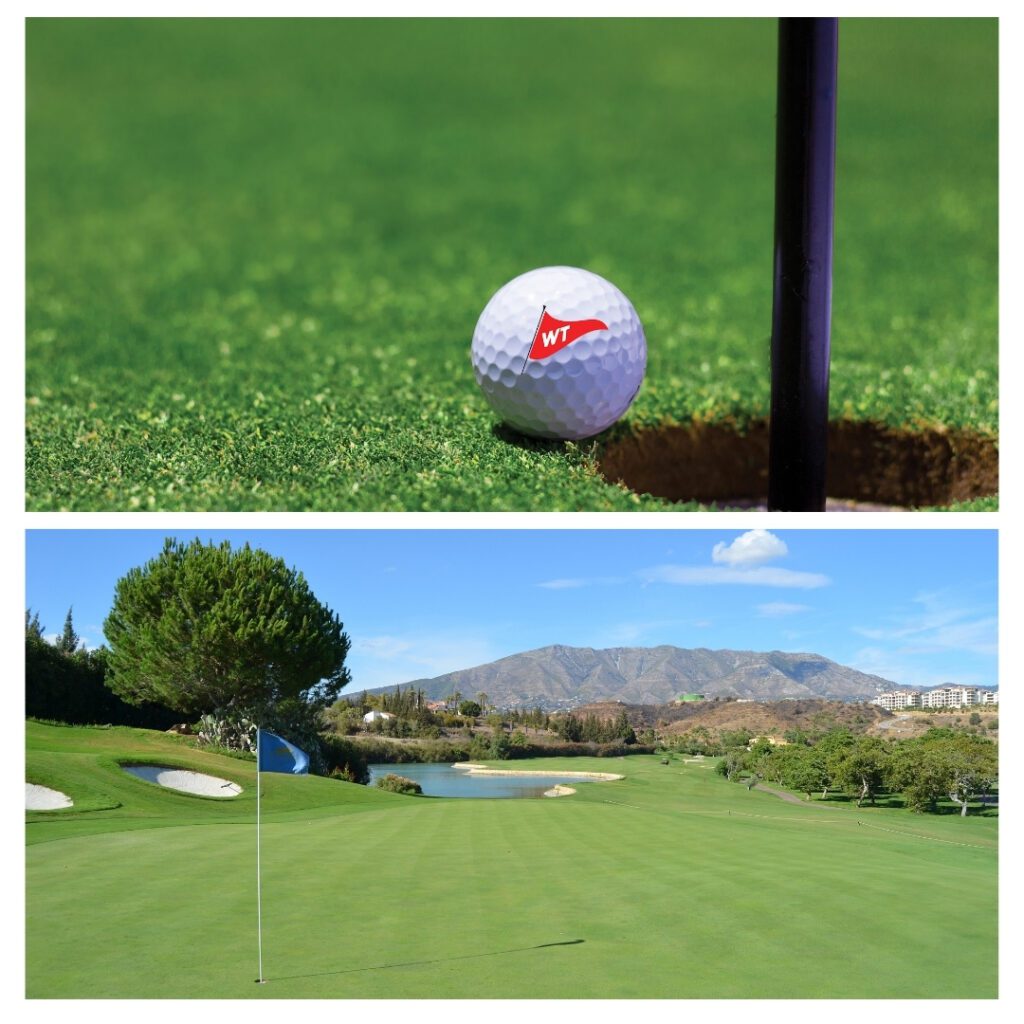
(788, 797)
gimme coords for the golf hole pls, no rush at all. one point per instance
(184, 781)
(871, 467)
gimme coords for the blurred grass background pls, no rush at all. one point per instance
(257, 249)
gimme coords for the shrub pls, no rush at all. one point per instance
(381, 751)
(499, 747)
(344, 719)
(225, 730)
(342, 758)
(399, 784)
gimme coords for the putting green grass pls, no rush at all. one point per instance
(671, 883)
(257, 250)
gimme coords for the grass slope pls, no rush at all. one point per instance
(671, 883)
(257, 250)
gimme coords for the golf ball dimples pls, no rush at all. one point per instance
(584, 386)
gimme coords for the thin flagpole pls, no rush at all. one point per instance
(259, 891)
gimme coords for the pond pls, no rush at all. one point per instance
(445, 780)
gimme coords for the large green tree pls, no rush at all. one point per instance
(973, 769)
(920, 772)
(205, 627)
(807, 772)
(861, 768)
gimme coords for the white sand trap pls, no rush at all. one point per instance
(559, 790)
(40, 798)
(184, 781)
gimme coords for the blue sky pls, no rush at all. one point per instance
(915, 606)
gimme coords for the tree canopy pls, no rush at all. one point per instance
(203, 627)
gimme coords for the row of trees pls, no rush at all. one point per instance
(591, 729)
(414, 718)
(64, 682)
(943, 764)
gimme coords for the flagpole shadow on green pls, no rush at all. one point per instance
(426, 963)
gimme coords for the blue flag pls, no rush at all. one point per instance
(278, 755)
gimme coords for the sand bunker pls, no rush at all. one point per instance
(559, 790)
(40, 798)
(184, 781)
(482, 769)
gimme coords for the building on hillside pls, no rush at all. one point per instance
(688, 698)
(377, 716)
(951, 697)
(897, 700)
(941, 697)
(775, 741)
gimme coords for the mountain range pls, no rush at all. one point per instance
(560, 677)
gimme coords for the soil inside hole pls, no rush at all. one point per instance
(868, 463)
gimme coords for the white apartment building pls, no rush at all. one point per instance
(897, 700)
(942, 697)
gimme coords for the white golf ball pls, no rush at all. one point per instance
(559, 352)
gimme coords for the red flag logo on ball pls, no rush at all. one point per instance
(553, 334)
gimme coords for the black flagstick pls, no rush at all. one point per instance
(802, 308)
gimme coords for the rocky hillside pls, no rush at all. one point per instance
(776, 718)
(566, 677)
(763, 718)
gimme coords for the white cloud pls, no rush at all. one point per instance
(778, 609)
(942, 625)
(571, 584)
(751, 548)
(760, 576)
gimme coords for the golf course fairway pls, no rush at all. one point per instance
(670, 883)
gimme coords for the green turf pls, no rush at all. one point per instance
(671, 883)
(257, 250)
